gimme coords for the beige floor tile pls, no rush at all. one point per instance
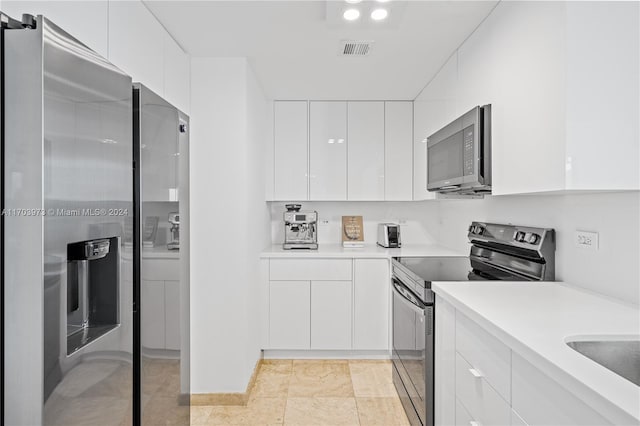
(200, 415)
(372, 379)
(321, 411)
(319, 361)
(277, 362)
(272, 380)
(320, 379)
(381, 411)
(259, 411)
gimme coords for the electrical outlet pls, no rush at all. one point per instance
(587, 239)
(402, 222)
(324, 222)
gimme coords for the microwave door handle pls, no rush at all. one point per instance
(448, 187)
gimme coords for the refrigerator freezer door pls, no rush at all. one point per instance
(68, 158)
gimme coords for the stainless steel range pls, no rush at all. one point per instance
(498, 252)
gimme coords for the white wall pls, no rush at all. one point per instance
(613, 270)
(417, 216)
(229, 220)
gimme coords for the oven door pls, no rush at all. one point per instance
(410, 349)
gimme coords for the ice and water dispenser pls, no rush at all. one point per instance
(93, 280)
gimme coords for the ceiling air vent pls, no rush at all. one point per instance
(355, 48)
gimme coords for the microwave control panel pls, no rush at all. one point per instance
(468, 146)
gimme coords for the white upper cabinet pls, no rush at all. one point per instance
(290, 150)
(328, 151)
(365, 151)
(136, 43)
(398, 145)
(603, 95)
(176, 75)
(528, 99)
(84, 20)
(562, 79)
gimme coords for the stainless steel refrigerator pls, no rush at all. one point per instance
(68, 231)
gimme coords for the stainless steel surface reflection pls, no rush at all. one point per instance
(163, 136)
(620, 356)
(69, 155)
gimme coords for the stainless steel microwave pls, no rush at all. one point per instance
(459, 155)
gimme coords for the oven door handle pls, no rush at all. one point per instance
(408, 298)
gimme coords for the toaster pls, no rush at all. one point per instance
(389, 235)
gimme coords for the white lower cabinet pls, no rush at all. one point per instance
(540, 400)
(289, 314)
(493, 384)
(371, 304)
(328, 304)
(331, 315)
(480, 399)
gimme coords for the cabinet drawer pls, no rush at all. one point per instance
(480, 399)
(463, 418)
(485, 353)
(540, 400)
(310, 269)
(160, 269)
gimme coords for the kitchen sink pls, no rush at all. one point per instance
(620, 356)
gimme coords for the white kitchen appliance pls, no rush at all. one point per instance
(389, 235)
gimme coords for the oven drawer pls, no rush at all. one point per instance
(483, 403)
(485, 353)
(310, 269)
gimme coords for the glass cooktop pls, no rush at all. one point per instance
(430, 269)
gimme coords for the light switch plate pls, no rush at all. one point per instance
(587, 240)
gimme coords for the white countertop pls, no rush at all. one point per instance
(536, 319)
(160, 252)
(368, 251)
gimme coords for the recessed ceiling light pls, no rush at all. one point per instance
(379, 14)
(383, 1)
(331, 141)
(351, 14)
(353, 1)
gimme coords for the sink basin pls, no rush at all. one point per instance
(620, 356)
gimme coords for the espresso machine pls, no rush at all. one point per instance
(300, 228)
(174, 231)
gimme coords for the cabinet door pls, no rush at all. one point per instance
(331, 315)
(143, 59)
(172, 315)
(328, 151)
(445, 365)
(289, 314)
(540, 400)
(365, 151)
(176, 74)
(152, 314)
(398, 145)
(290, 150)
(371, 304)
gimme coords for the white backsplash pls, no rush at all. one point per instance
(613, 269)
(412, 215)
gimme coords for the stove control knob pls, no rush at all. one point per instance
(532, 238)
(519, 237)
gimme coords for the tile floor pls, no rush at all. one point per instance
(314, 392)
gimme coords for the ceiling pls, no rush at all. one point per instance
(293, 45)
